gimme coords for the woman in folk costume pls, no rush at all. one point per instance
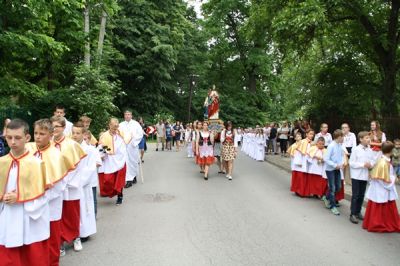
(217, 151)
(196, 133)
(204, 149)
(300, 166)
(112, 173)
(24, 208)
(188, 141)
(382, 214)
(377, 138)
(259, 139)
(229, 148)
(317, 182)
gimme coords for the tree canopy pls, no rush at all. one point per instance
(270, 60)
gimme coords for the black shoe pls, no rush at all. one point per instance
(205, 178)
(84, 239)
(360, 216)
(142, 161)
(134, 180)
(353, 219)
(119, 200)
(157, 149)
(128, 184)
(162, 149)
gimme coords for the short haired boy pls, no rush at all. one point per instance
(87, 168)
(334, 162)
(382, 214)
(361, 161)
(56, 170)
(316, 168)
(24, 209)
(300, 167)
(72, 151)
(396, 158)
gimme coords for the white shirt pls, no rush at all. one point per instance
(132, 131)
(23, 223)
(327, 137)
(359, 156)
(350, 140)
(68, 128)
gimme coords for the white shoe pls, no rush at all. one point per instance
(230, 177)
(78, 244)
(62, 252)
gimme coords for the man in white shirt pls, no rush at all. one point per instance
(361, 161)
(132, 132)
(60, 112)
(349, 143)
(350, 140)
(160, 131)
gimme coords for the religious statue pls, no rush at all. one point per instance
(211, 104)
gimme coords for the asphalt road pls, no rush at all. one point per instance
(176, 218)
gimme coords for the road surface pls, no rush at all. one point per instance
(176, 218)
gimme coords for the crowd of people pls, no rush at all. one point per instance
(320, 161)
(48, 184)
(206, 143)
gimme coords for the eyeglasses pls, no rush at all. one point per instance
(57, 126)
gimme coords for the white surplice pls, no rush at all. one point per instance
(23, 223)
(133, 134)
(88, 169)
(114, 162)
(381, 192)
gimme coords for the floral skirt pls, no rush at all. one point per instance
(228, 152)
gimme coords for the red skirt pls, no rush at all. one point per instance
(55, 243)
(112, 184)
(300, 183)
(317, 185)
(70, 220)
(209, 160)
(35, 254)
(382, 217)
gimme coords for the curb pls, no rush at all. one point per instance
(347, 196)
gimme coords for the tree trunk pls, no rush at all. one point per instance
(252, 81)
(87, 35)
(101, 37)
(389, 96)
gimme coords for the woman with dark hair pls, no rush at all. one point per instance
(204, 149)
(377, 138)
(229, 148)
